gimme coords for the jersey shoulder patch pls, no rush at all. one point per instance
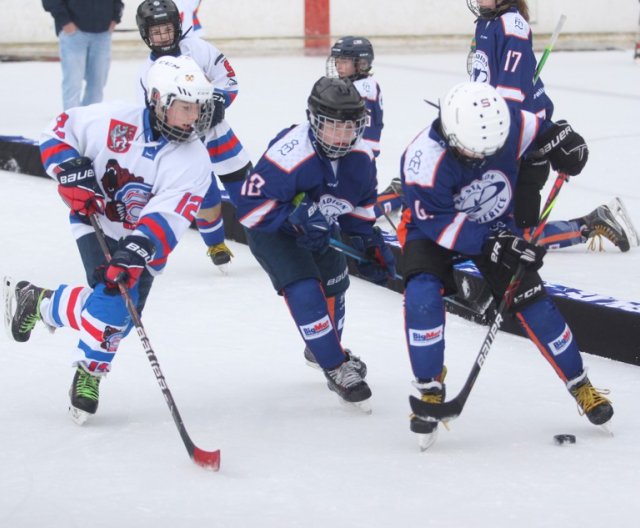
(291, 149)
(421, 160)
(368, 88)
(515, 26)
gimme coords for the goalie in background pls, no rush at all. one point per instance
(457, 176)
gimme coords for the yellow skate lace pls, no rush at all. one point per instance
(588, 397)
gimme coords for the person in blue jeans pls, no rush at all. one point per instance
(84, 29)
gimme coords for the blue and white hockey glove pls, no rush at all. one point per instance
(382, 263)
(309, 226)
(504, 249)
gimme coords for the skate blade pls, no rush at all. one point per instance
(363, 406)
(620, 213)
(78, 416)
(223, 268)
(425, 441)
(605, 428)
(9, 296)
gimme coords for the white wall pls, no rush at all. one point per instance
(25, 21)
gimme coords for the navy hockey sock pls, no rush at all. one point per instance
(549, 331)
(424, 325)
(308, 307)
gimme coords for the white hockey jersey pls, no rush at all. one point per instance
(152, 188)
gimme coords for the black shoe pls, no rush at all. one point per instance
(359, 365)
(345, 381)
(395, 187)
(602, 223)
(220, 254)
(27, 309)
(591, 401)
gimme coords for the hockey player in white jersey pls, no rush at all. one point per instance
(143, 172)
(159, 25)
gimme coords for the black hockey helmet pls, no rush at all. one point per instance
(154, 13)
(335, 108)
(358, 49)
(484, 12)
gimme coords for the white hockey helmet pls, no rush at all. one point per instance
(179, 79)
(475, 119)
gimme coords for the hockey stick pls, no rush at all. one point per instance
(207, 459)
(354, 253)
(547, 50)
(451, 409)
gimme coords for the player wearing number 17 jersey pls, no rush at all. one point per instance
(143, 173)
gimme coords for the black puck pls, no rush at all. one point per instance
(562, 439)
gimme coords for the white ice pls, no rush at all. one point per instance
(291, 455)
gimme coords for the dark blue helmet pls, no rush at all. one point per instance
(358, 49)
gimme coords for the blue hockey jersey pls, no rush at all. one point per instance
(504, 58)
(345, 189)
(456, 205)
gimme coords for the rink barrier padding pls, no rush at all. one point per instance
(603, 326)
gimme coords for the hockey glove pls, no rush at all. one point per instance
(565, 149)
(218, 108)
(78, 187)
(504, 249)
(128, 262)
(309, 226)
(381, 264)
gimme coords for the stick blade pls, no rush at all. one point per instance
(209, 460)
(436, 411)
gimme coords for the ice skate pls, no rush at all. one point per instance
(22, 308)
(612, 222)
(353, 391)
(591, 401)
(220, 255)
(395, 187)
(84, 394)
(359, 365)
(432, 391)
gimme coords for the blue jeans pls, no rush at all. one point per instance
(84, 56)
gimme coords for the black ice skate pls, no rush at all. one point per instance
(591, 401)
(84, 394)
(220, 255)
(612, 222)
(359, 365)
(22, 308)
(345, 381)
(431, 391)
(395, 187)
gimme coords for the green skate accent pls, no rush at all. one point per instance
(87, 386)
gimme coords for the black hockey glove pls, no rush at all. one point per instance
(565, 149)
(79, 188)
(382, 264)
(128, 262)
(309, 226)
(218, 108)
(504, 249)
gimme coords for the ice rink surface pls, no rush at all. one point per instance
(292, 456)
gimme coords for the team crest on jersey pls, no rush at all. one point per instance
(120, 136)
(111, 338)
(127, 194)
(480, 67)
(333, 207)
(486, 199)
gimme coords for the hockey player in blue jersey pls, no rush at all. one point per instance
(502, 55)
(143, 172)
(458, 177)
(317, 180)
(159, 25)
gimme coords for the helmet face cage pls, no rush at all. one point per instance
(358, 49)
(152, 13)
(174, 79)
(475, 120)
(336, 137)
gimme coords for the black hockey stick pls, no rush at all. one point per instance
(451, 409)
(207, 459)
